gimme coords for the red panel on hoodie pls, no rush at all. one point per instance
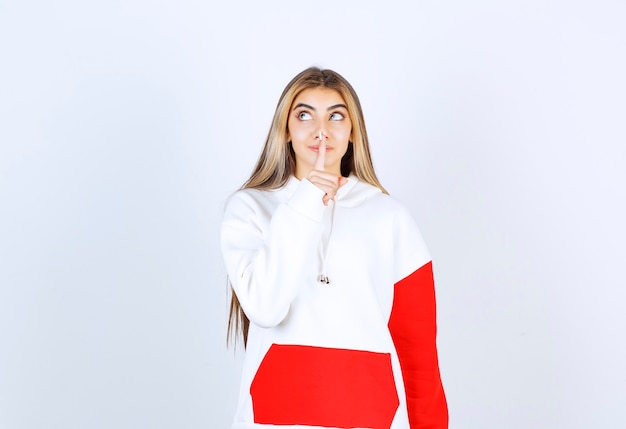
(320, 386)
(413, 328)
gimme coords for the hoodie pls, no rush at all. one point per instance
(355, 350)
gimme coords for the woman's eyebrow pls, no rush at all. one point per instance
(335, 106)
(297, 106)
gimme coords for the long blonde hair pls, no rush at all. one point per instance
(277, 162)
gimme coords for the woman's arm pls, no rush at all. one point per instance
(265, 262)
(413, 327)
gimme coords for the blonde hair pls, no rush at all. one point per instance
(277, 162)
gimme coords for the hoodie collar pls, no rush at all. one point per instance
(351, 194)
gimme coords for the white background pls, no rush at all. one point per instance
(124, 125)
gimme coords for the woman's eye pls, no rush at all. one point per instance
(304, 116)
(336, 116)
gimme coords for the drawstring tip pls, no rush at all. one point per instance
(323, 279)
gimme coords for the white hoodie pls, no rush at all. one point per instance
(356, 352)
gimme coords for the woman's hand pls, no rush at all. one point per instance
(327, 182)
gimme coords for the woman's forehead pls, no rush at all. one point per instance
(319, 94)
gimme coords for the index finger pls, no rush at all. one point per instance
(321, 154)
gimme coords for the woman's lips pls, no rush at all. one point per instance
(316, 148)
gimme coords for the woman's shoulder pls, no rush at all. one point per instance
(255, 199)
(390, 207)
(371, 194)
(250, 197)
(251, 193)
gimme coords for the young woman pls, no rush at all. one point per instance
(332, 282)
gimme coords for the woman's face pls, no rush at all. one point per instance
(315, 111)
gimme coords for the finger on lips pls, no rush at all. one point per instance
(328, 182)
(321, 153)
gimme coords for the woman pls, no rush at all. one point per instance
(332, 282)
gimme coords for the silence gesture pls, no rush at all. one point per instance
(327, 182)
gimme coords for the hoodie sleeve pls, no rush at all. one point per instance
(265, 253)
(413, 327)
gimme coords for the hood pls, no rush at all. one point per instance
(351, 194)
(355, 192)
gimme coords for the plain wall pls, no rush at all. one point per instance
(124, 125)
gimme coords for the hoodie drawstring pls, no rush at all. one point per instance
(323, 278)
